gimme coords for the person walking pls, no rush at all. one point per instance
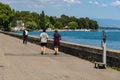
(56, 38)
(43, 41)
(25, 36)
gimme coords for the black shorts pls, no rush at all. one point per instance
(56, 44)
(43, 44)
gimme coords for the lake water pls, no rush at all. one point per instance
(92, 38)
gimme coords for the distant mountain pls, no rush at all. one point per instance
(108, 23)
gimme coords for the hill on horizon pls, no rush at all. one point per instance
(108, 23)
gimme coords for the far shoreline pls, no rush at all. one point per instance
(62, 30)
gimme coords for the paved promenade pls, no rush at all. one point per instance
(24, 62)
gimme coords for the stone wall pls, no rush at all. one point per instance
(82, 51)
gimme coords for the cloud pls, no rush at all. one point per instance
(116, 3)
(103, 5)
(29, 3)
(72, 1)
(40, 4)
(97, 3)
(47, 1)
(93, 2)
(7, 1)
(15, 1)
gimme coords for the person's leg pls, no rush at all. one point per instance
(41, 48)
(23, 39)
(26, 39)
(55, 47)
(56, 50)
(44, 50)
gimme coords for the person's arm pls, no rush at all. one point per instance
(40, 36)
(59, 37)
(47, 37)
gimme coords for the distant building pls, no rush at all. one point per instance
(19, 27)
(66, 27)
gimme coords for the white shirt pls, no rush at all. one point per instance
(43, 37)
(26, 32)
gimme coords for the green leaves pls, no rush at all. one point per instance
(42, 20)
(58, 25)
(6, 14)
(73, 25)
(31, 25)
(33, 20)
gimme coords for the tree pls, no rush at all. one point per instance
(52, 20)
(13, 22)
(49, 25)
(93, 25)
(35, 18)
(42, 22)
(58, 25)
(26, 17)
(64, 19)
(31, 25)
(87, 23)
(73, 25)
(6, 16)
(80, 26)
(72, 18)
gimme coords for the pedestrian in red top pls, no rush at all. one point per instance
(57, 38)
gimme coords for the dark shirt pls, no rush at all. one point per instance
(57, 38)
(24, 33)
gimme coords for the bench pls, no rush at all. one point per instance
(100, 65)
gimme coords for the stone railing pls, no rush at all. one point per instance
(82, 51)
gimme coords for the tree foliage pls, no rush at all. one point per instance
(58, 25)
(33, 20)
(52, 20)
(27, 17)
(73, 25)
(31, 25)
(6, 16)
(42, 20)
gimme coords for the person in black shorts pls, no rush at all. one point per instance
(25, 36)
(43, 41)
(57, 38)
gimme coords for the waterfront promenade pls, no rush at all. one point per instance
(24, 62)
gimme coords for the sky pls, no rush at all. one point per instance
(105, 9)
